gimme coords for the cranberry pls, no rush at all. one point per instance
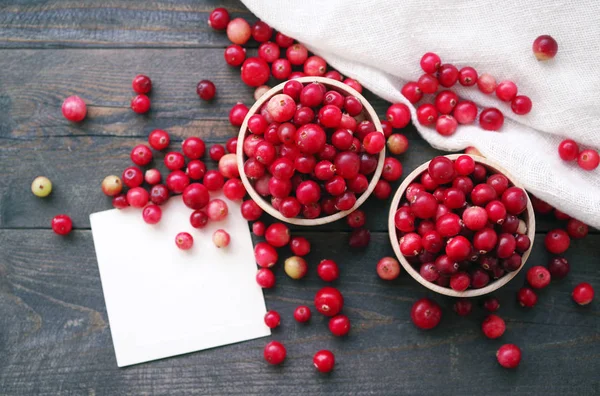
(512, 263)
(479, 173)
(329, 301)
(426, 314)
(193, 148)
(184, 241)
(221, 238)
(491, 304)
(140, 104)
(560, 215)
(315, 66)
(299, 246)
(213, 180)
(467, 76)
(432, 241)
(297, 54)
(412, 92)
(206, 90)
(545, 47)
(283, 41)
(424, 205)
(465, 112)
(265, 278)
(324, 361)
(141, 84)
(272, 319)
(277, 235)
(359, 238)
(521, 105)
(137, 197)
(218, 19)
(486, 83)
(290, 207)
(261, 32)
(274, 352)
(465, 184)
(491, 119)
(159, 139)
(447, 75)
(588, 159)
(430, 62)
(397, 143)
(238, 31)
(328, 270)
(255, 72)
(152, 176)
(506, 245)
(441, 170)
(538, 277)
(335, 98)
(265, 255)
(120, 201)
(234, 55)
(445, 265)
(577, 229)
(159, 194)
(238, 113)
(410, 244)
(74, 109)
(427, 114)
(445, 101)
(558, 267)
(62, 224)
(196, 196)
(496, 212)
(583, 293)
(509, 356)
(429, 272)
(446, 125)
(111, 186)
(515, 200)
(427, 183)
(382, 189)
(392, 169)
(482, 194)
(281, 107)
(527, 297)
(352, 83)
(485, 240)
(295, 267)
(568, 150)
(174, 161)
(428, 84)
(339, 325)
(216, 209)
(388, 268)
(454, 198)
(448, 225)
(493, 326)
(398, 115)
(460, 281)
(506, 91)
(510, 225)
(463, 306)
(302, 314)
(356, 219)
(557, 241)
(198, 219)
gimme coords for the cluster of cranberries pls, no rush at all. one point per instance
(460, 224)
(308, 156)
(447, 110)
(328, 300)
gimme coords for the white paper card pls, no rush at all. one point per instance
(163, 301)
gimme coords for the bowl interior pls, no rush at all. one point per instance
(370, 115)
(495, 284)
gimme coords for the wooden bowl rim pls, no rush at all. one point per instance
(266, 206)
(492, 286)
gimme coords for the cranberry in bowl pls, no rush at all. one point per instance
(312, 151)
(461, 225)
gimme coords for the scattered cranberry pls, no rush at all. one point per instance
(486, 83)
(238, 31)
(328, 270)
(430, 62)
(359, 238)
(152, 214)
(261, 32)
(62, 224)
(463, 306)
(265, 278)
(506, 91)
(177, 181)
(588, 159)
(184, 241)
(398, 115)
(159, 194)
(558, 267)
(272, 319)
(120, 201)
(493, 326)
(426, 314)
(521, 105)
(111, 186)
(388, 268)
(218, 19)
(140, 104)
(509, 356)
(491, 304)
(568, 150)
(491, 119)
(446, 125)
(74, 109)
(427, 114)
(198, 219)
(141, 84)
(159, 139)
(295, 267)
(137, 197)
(339, 325)
(329, 301)
(302, 314)
(324, 361)
(152, 176)
(467, 76)
(527, 297)
(412, 92)
(583, 293)
(397, 143)
(235, 55)
(538, 277)
(447, 75)
(465, 112)
(557, 241)
(545, 47)
(206, 90)
(274, 352)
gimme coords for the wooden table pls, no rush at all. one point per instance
(54, 332)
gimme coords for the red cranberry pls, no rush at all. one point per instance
(324, 361)
(120, 201)
(265, 255)
(315, 66)
(521, 105)
(352, 83)
(427, 114)
(538, 277)
(410, 244)
(479, 173)
(445, 101)
(184, 241)
(583, 293)
(467, 76)
(398, 115)
(339, 325)
(446, 125)
(454, 198)
(428, 84)
(445, 265)
(312, 95)
(482, 194)
(237, 114)
(463, 306)
(265, 278)
(509, 356)
(426, 314)
(557, 241)
(213, 180)
(132, 177)
(429, 272)
(465, 112)
(217, 151)
(283, 41)
(545, 47)
(255, 72)
(382, 189)
(272, 319)
(491, 119)
(334, 75)
(441, 170)
(527, 297)
(359, 238)
(479, 278)
(460, 281)
(234, 55)
(141, 84)
(392, 169)
(281, 107)
(218, 19)
(388, 268)
(310, 138)
(430, 62)
(250, 210)
(412, 92)
(496, 212)
(493, 326)
(159, 139)
(206, 90)
(374, 142)
(458, 248)
(290, 207)
(159, 194)
(424, 205)
(485, 240)
(196, 196)
(506, 245)
(302, 314)
(62, 224)
(512, 263)
(588, 159)
(577, 229)
(329, 301)
(297, 54)
(491, 304)
(465, 184)
(515, 200)
(74, 109)
(328, 270)
(174, 161)
(486, 83)
(432, 241)
(506, 91)
(140, 104)
(448, 225)
(447, 75)
(274, 352)
(198, 219)
(137, 197)
(427, 183)
(475, 218)
(568, 150)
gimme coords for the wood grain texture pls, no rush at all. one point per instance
(112, 23)
(55, 337)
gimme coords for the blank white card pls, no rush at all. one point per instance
(163, 301)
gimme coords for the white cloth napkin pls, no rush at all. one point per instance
(380, 43)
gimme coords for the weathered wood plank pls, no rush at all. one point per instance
(56, 340)
(55, 23)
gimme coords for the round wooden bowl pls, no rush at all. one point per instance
(370, 115)
(492, 286)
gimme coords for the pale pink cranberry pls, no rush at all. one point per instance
(446, 125)
(74, 109)
(465, 112)
(238, 31)
(486, 83)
